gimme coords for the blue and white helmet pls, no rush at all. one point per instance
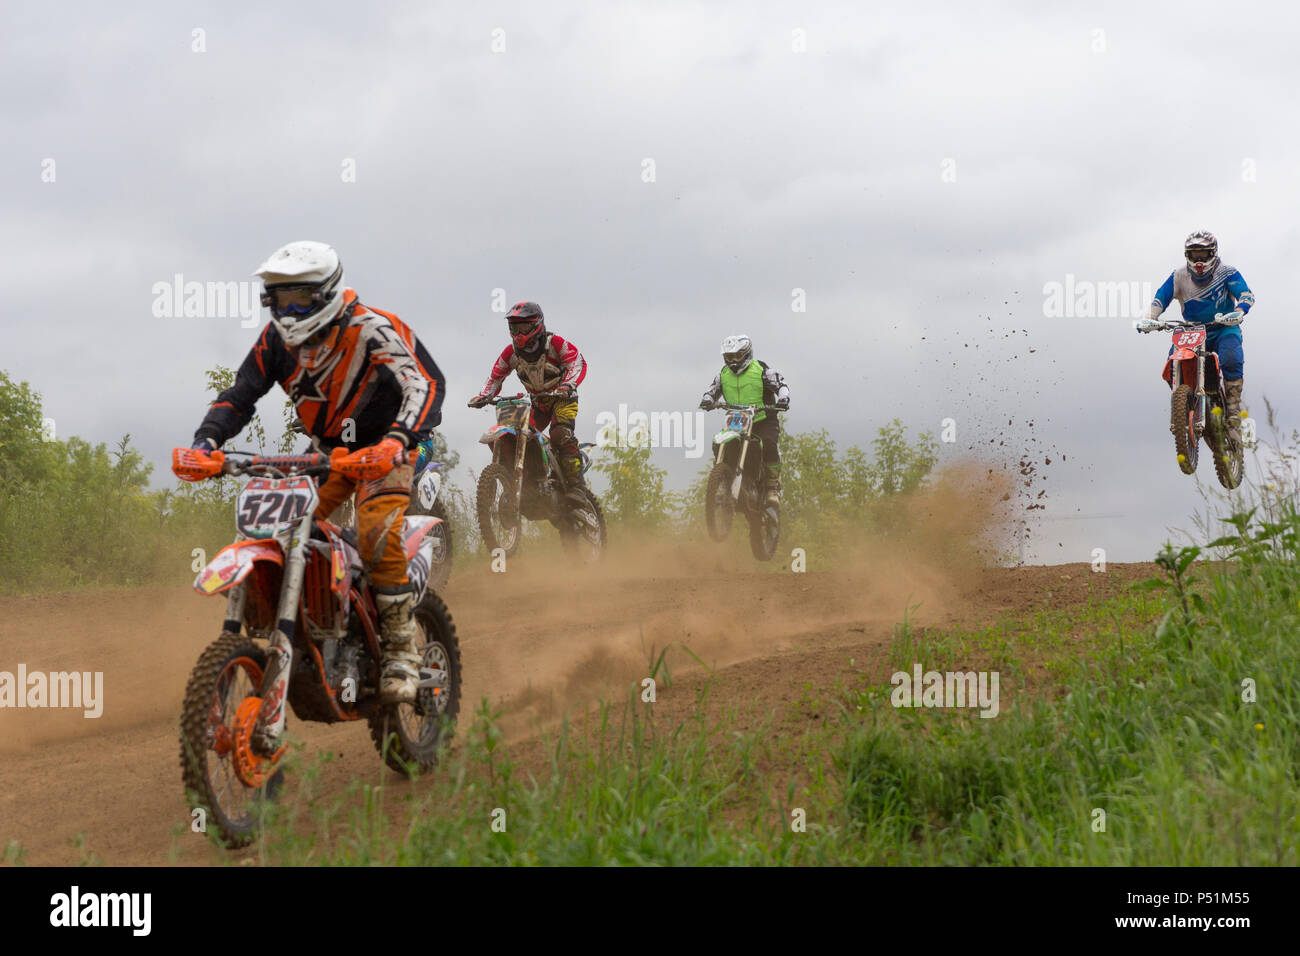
(1202, 253)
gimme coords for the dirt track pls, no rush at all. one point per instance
(116, 778)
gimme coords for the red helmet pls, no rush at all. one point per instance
(527, 326)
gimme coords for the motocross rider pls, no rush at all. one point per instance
(1206, 287)
(745, 381)
(544, 362)
(360, 380)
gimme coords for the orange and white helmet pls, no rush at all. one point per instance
(304, 289)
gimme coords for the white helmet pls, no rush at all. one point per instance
(737, 352)
(304, 289)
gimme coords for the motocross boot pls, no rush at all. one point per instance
(400, 669)
(1232, 408)
(774, 489)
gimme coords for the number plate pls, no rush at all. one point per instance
(1188, 338)
(268, 504)
(736, 421)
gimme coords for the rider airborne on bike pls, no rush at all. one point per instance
(1206, 288)
(544, 362)
(361, 380)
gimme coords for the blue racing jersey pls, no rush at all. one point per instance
(1224, 291)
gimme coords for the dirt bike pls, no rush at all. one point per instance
(301, 625)
(1197, 404)
(737, 482)
(525, 481)
(425, 501)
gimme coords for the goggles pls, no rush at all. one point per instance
(293, 299)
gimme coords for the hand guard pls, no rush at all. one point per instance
(1146, 324)
(197, 463)
(783, 405)
(371, 462)
(478, 401)
(1230, 318)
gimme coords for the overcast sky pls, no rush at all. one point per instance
(922, 171)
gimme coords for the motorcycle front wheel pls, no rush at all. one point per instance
(719, 507)
(222, 776)
(1182, 422)
(499, 520)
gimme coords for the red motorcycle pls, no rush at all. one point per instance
(1196, 406)
(301, 627)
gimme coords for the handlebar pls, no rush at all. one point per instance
(1170, 325)
(507, 399)
(749, 408)
(240, 463)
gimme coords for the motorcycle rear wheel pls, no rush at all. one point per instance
(1229, 467)
(1182, 413)
(440, 571)
(764, 531)
(587, 544)
(411, 737)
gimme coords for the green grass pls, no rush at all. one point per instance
(1133, 707)
(1130, 721)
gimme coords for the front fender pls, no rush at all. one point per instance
(721, 438)
(496, 431)
(233, 562)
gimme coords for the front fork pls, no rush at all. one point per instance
(740, 464)
(1176, 379)
(279, 653)
(521, 449)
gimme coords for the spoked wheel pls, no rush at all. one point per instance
(1229, 467)
(218, 765)
(764, 531)
(411, 736)
(1182, 422)
(499, 520)
(583, 529)
(719, 507)
(440, 567)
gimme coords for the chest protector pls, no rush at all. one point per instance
(745, 388)
(540, 374)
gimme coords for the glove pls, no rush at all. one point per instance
(195, 464)
(371, 462)
(478, 401)
(1230, 318)
(783, 405)
(707, 405)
